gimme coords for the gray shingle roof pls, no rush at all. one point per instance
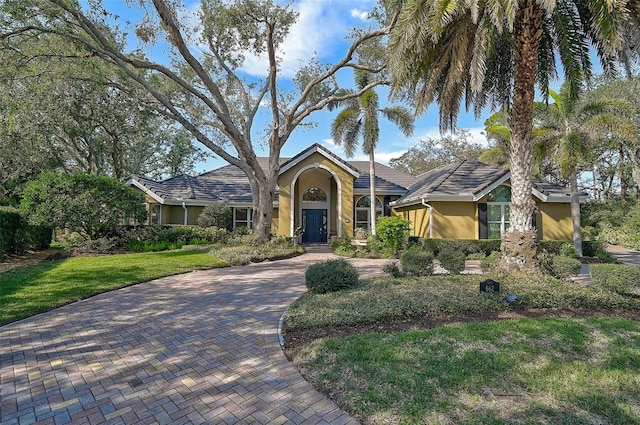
(230, 184)
(470, 178)
(387, 178)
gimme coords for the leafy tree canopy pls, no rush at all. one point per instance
(204, 88)
(91, 205)
(433, 153)
(65, 109)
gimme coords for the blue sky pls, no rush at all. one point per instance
(321, 28)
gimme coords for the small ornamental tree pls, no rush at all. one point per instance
(91, 205)
(393, 231)
(215, 215)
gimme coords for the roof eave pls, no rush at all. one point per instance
(134, 182)
(319, 149)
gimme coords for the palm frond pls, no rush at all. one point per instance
(345, 129)
(401, 117)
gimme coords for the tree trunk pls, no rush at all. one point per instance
(635, 167)
(519, 243)
(575, 213)
(372, 192)
(623, 180)
(262, 190)
(596, 189)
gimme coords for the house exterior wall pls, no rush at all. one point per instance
(455, 220)
(554, 221)
(459, 220)
(285, 183)
(275, 221)
(419, 218)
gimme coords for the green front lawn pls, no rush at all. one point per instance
(528, 371)
(33, 289)
(580, 367)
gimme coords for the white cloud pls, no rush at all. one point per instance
(321, 27)
(329, 143)
(357, 13)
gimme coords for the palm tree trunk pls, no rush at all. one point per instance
(372, 193)
(519, 242)
(575, 212)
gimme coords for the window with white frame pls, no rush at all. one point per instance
(363, 214)
(498, 212)
(155, 214)
(242, 217)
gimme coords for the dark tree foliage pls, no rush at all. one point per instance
(91, 205)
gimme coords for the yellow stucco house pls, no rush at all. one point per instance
(329, 197)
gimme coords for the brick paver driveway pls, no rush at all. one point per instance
(200, 347)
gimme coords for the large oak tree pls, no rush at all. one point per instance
(203, 88)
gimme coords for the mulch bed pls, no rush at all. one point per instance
(31, 257)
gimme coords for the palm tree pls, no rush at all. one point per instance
(492, 53)
(576, 125)
(359, 120)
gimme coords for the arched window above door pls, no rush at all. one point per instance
(314, 195)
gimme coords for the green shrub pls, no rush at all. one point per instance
(558, 266)
(551, 247)
(392, 268)
(17, 235)
(605, 257)
(544, 261)
(331, 275)
(491, 261)
(9, 225)
(78, 243)
(239, 255)
(592, 248)
(564, 267)
(393, 231)
(620, 278)
(433, 296)
(93, 205)
(214, 234)
(240, 231)
(452, 259)
(417, 262)
(135, 237)
(568, 250)
(467, 246)
(215, 215)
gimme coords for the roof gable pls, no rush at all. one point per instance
(316, 148)
(470, 181)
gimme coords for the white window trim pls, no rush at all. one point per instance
(502, 221)
(379, 209)
(249, 219)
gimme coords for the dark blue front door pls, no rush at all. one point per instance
(315, 226)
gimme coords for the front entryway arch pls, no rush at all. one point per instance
(297, 205)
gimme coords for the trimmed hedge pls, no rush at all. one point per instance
(467, 246)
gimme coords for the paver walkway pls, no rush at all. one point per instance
(200, 347)
(625, 255)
